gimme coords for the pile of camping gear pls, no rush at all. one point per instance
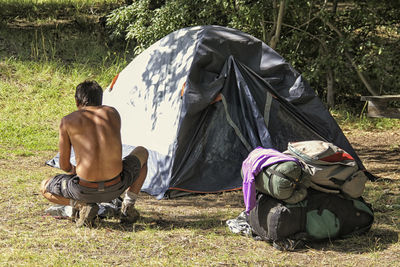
(310, 192)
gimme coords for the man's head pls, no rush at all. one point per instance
(89, 93)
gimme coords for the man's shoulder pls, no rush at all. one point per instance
(80, 114)
(69, 121)
(109, 109)
(71, 116)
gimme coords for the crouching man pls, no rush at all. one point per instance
(100, 174)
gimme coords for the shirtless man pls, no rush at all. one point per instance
(100, 174)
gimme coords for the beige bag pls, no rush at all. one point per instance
(331, 169)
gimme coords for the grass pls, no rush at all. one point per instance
(43, 56)
(34, 95)
(351, 120)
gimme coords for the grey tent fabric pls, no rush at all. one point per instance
(202, 98)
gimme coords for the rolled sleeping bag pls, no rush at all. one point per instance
(284, 181)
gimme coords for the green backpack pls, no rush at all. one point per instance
(321, 216)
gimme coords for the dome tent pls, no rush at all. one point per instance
(201, 98)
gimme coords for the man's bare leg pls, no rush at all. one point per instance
(137, 185)
(87, 212)
(128, 212)
(142, 154)
(51, 197)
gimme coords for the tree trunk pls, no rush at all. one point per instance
(330, 90)
(275, 38)
(334, 6)
(353, 63)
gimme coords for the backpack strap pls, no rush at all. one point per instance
(323, 189)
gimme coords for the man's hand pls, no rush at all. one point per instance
(72, 170)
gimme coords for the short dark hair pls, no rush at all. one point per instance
(89, 93)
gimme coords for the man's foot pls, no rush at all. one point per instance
(76, 206)
(129, 214)
(87, 215)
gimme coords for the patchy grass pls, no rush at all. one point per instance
(188, 231)
(42, 58)
(349, 120)
(33, 98)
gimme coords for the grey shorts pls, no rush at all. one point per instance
(67, 185)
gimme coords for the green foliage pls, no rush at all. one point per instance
(365, 34)
(146, 21)
(371, 35)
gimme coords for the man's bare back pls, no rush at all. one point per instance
(94, 132)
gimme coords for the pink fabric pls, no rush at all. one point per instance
(258, 159)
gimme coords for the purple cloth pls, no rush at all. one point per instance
(258, 159)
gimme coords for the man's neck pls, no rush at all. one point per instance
(88, 107)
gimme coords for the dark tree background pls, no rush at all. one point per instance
(343, 48)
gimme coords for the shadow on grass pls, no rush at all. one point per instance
(213, 216)
(155, 222)
(378, 239)
(232, 199)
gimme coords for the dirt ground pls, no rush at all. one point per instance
(379, 151)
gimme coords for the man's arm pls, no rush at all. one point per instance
(64, 145)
